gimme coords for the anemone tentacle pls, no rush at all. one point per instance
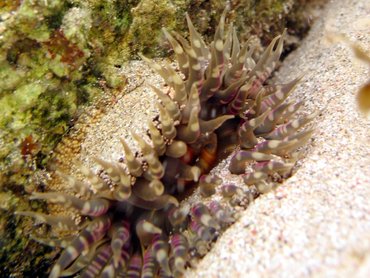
(217, 105)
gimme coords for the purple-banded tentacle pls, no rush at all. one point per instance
(150, 265)
(285, 146)
(177, 149)
(218, 42)
(170, 105)
(254, 177)
(155, 168)
(94, 232)
(161, 70)
(256, 87)
(146, 232)
(148, 190)
(270, 122)
(181, 56)
(249, 61)
(271, 146)
(207, 184)
(80, 263)
(134, 266)
(211, 125)
(171, 78)
(178, 215)
(84, 260)
(214, 78)
(237, 105)
(246, 132)
(290, 128)
(109, 271)
(96, 182)
(189, 173)
(133, 164)
(266, 64)
(145, 147)
(102, 256)
(197, 42)
(93, 207)
(167, 124)
(295, 141)
(272, 101)
(195, 69)
(223, 215)
(198, 244)
(184, 44)
(254, 105)
(273, 166)
(201, 246)
(228, 42)
(201, 213)
(281, 92)
(228, 190)
(179, 86)
(179, 254)
(123, 190)
(112, 169)
(160, 248)
(236, 71)
(119, 176)
(229, 93)
(190, 133)
(157, 139)
(126, 254)
(238, 161)
(289, 112)
(192, 103)
(203, 232)
(120, 236)
(232, 50)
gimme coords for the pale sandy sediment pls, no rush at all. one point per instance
(318, 222)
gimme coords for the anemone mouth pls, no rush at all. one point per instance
(219, 105)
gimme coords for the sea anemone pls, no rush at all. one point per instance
(217, 104)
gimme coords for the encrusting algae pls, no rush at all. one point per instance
(132, 223)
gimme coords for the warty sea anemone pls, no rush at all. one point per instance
(218, 103)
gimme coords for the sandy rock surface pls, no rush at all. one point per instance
(318, 222)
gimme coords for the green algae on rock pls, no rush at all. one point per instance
(45, 75)
(132, 222)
